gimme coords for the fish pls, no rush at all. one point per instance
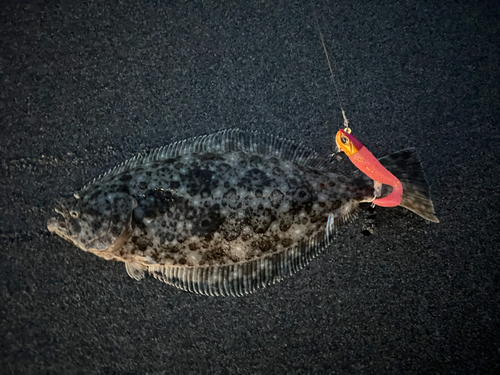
(225, 214)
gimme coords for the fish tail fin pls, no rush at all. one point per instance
(406, 166)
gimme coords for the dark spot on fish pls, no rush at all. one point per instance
(96, 194)
(245, 236)
(258, 193)
(150, 213)
(277, 171)
(231, 231)
(261, 222)
(285, 225)
(226, 184)
(123, 189)
(198, 180)
(302, 198)
(173, 249)
(175, 184)
(142, 243)
(255, 160)
(254, 178)
(125, 178)
(148, 173)
(231, 194)
(286, 242)
(169, 236)
(264, 245)
(207, 223)
(334, 205)
(210, 156)
(143, 185)
(276, 197)
(216, 255)
(154, 166)
(168, 161)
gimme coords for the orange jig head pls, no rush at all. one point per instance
(370, 166)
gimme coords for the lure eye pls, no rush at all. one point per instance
(74, 214)
(344, 140)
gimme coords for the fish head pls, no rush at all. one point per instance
(94, 222)
(347, 142)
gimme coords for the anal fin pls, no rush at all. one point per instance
(242, 278)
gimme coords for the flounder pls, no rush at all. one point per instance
(227, 213)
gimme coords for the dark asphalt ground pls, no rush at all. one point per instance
(86, 85)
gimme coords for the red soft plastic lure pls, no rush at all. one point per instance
(369, 165)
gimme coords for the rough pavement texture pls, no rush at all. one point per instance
(86, 85)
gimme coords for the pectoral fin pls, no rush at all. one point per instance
(135, 270)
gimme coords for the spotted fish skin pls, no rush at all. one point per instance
(223, 214)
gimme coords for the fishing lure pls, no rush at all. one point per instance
(359, 155)
(362, 158)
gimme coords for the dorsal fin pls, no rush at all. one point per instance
(242, 278)
(226, 141)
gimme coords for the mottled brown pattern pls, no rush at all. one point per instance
(201, 205)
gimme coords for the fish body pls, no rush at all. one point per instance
(223, 214)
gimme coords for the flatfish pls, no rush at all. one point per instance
(226, 213)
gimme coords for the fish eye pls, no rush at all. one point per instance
(74, 214)
(344, 140)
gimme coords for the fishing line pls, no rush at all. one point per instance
(346, 122)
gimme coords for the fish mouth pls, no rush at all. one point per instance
(60, 227)
(58, 224)
(54, 225)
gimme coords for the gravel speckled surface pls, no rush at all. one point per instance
(85, 85)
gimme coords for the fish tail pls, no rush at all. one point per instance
(406, 166)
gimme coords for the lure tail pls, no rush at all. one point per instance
(406, 166)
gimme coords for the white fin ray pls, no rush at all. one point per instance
(135, 270)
